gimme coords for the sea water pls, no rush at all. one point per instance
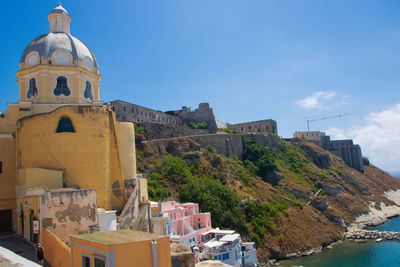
(385, 253)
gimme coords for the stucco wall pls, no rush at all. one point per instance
(127, 150)
(8, 175)
(69, 211)
(33, 177)
(135, 215)
(57, 253)
(89, 156)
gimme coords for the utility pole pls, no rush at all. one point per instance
(323, 118)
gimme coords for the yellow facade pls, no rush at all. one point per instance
(58, 254)
(28, 211)
(7, 180)
(33, 177)
(122, 248)
(88, 157)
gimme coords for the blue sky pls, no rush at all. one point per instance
(250, 60)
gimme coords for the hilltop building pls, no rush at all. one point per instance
(257, 127)
(345, 149)
(168, 124)
(63, 154)
(310, 136)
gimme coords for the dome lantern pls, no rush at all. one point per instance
(59, 20)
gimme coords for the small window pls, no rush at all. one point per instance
(85, 261)
(1, 167)
(32, 91)
(88, 91)
(62, 87)
(113, 108)
(124, 108)
(99, 262)
(65, 125)
(241, 128)
(249, 127)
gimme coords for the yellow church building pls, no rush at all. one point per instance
(59, 134)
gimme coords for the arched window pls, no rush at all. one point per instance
(62, 87)
(65, 126)
(88, 91)
(32, 91)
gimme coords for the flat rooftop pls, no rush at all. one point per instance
(118, 237)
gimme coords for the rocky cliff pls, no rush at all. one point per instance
(286, 196)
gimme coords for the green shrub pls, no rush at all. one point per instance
(220, 200)
(174, 169)
(163, 193)
(193, 155)
(211, 149)
(200, 125)
(261, 157)
(215, 160)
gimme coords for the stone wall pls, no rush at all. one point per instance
(228, 145)
(136, 214)
(345, 149)
(133, 113)
(264, 126)
(202, 113)
(160, 131)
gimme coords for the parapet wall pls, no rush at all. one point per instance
(228, 145)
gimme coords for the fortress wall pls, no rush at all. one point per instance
(161, 131)
(133, 113)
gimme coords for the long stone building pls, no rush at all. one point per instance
(259, 127)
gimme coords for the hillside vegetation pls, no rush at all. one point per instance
(269, 195)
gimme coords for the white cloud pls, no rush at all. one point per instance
(317, 100)
(379, 138)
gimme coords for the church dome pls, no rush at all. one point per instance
(58, 47)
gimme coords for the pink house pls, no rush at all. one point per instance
(187, 223)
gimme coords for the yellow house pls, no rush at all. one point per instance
(59, 134)
(120, 248)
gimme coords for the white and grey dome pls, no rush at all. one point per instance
(58, 47)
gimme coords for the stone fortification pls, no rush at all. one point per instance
(311, 136)
(345, 149)
(133, 113)
(202, 114)
(257, 127)
(228, 145)
(173, 121)
(160, 131)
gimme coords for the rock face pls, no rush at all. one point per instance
(333, 191)
(273, 177)
(321, 160)
(320, 203)
(306, 195)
